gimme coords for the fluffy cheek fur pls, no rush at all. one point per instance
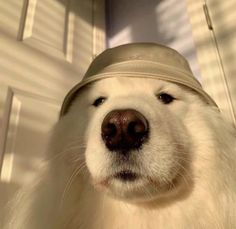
(162, 162)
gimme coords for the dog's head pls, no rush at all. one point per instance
(136, 133)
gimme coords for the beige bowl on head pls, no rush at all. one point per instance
(139, 60)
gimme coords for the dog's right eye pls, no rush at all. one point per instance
(165, 98)
(99, 101)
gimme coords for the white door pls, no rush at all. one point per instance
(45, 47)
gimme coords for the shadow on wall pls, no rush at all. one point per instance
(164, 22)
(137, 16)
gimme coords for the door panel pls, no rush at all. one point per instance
(45, 24)
(10, 16)
(49, 25)
(30, 118)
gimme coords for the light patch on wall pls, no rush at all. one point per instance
(123, 35)
(7, 168)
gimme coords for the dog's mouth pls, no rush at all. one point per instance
(133, 186)
(126, 176)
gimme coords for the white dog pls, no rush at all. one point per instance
(135, 153)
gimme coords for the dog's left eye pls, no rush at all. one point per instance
(165, 98)
(99, 101)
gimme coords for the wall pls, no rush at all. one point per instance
(216, 50)
(164, 22)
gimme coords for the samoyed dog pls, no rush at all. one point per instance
(134, 153)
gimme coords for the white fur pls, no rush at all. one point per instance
(191, 153)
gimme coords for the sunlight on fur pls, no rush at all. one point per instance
(183, 176)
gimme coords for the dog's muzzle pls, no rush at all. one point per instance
(124, 130)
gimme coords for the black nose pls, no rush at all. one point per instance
(124, 130)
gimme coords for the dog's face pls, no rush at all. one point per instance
(137, 142)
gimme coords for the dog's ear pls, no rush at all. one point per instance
(223, 124)
(224, 133)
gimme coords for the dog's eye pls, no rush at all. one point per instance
(99, 101)
(165, 98)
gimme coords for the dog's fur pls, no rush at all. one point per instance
(188, 165)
